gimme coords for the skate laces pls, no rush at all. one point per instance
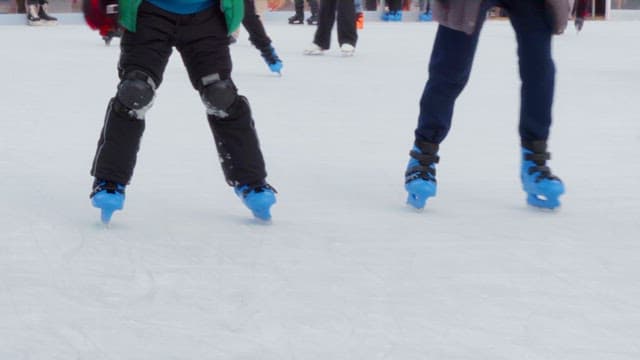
(109, 186)
(423, 169)
(540, 167)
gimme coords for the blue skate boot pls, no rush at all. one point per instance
(272, 60)
(426, 16)
(107, 196)
(392, 16)
(258, 198)
(543, 188)
(420, 177)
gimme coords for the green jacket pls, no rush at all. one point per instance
(233, 13)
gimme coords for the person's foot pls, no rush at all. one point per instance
(314, 49)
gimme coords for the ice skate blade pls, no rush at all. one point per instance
(105, 216)
(313, 52)
(108, 204)
(414, 209)
(542, 202)
(419, 191)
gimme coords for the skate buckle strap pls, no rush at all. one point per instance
(247, 189)
(425, 159)
(425, 169)
(420, 172)
(108, 186)
(539, 159)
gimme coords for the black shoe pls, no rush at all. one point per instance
(312, 20)
(296, 19)
(32, 16)
(44, 15)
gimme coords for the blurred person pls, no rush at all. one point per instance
(347, 33)
(393, 11)
(199, 31)
(425, 10)
(359, 14)
(38, 13)
(298, 18)
(534, 23)
(102, 15)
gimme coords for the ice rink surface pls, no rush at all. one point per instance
(346, 270)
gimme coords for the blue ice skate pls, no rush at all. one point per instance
(258, 198)
(426, 16)
(392, 16)
(543, 188)
(273, 61)
(420, 177)
(107, 196)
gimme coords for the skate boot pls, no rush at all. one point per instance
(297, 19)
(32, 16)
(543, 188)
(272, 60)
(426, 16)
(347, 49)
(258, 198)
(392, 16)
(44, 16)
(420, 177)
(107, 196)
(313, 19)
(314, 49)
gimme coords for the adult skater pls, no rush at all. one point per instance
(347, 33)
(198, 30)
(259, 38)
(453, 51)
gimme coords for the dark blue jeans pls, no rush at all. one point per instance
(452, 59)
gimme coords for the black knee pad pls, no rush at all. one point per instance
(136, 92)
(218, 96)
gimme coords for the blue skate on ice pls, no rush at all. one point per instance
(392, 16)
(543, 188)
(420, 177)
(258, 198)
(426, 16)
(107, 196)
(273, 61)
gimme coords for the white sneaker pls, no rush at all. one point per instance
(347, 49)
(314, 49)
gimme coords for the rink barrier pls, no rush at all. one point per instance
(267, 16)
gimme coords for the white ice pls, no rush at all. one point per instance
(346, 270)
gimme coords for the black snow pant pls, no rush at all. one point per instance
(252, 23)
(347, 33)
(202, 41)
(299, 6)
(394, 5)
(450, 67)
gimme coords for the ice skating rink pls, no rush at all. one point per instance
(345, 271)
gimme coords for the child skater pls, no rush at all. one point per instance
(199, 30)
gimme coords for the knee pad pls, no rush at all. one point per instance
(218, 96)
(135, 93)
